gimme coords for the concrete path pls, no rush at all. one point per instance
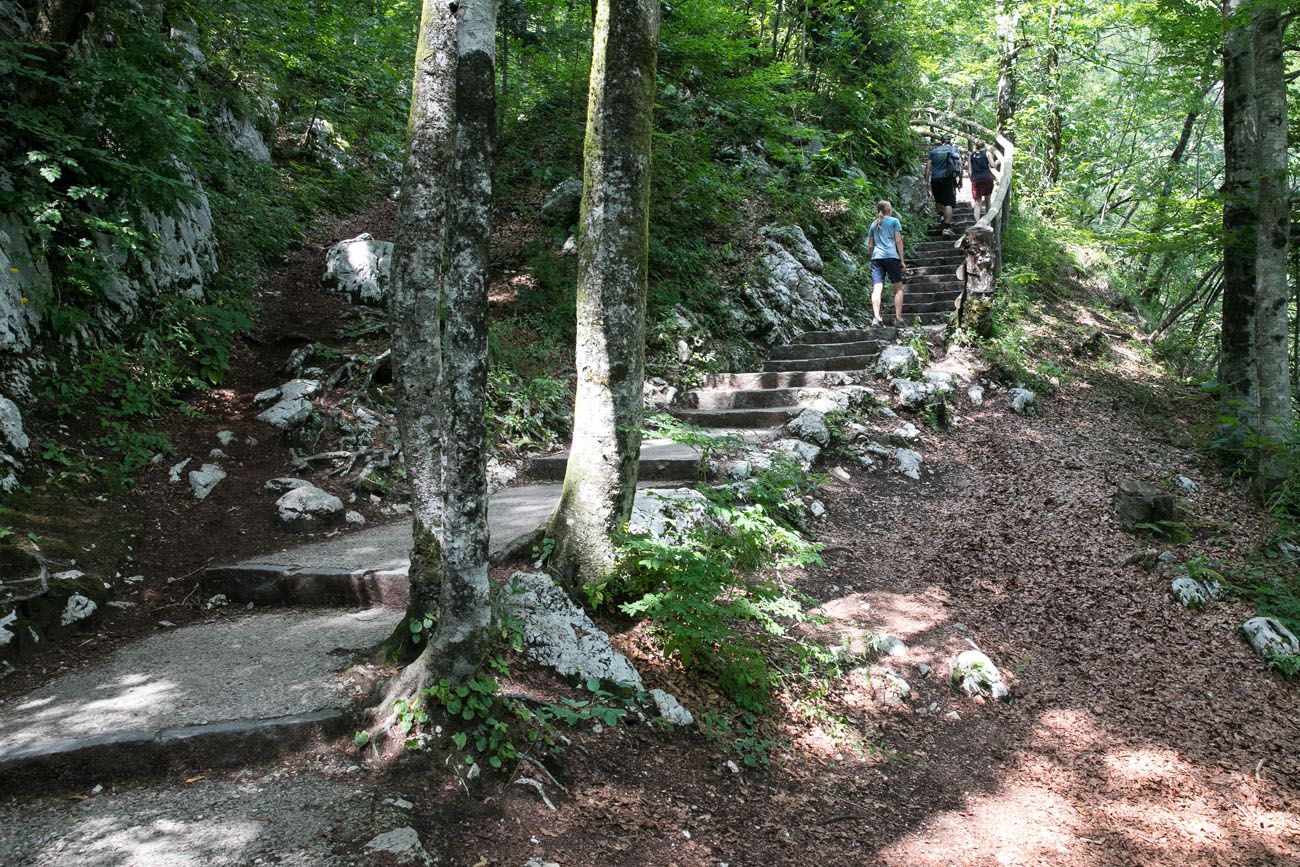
(182, 685)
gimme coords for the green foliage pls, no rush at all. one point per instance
(740, 734)
(665, 426)
(526, 417)
(714, 595)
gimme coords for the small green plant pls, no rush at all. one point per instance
(1286, 663)
(740, 734)
(1175, 532)
(665, 426)
(526, 417)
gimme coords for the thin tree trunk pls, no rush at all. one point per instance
(1272, 299)
(414, 303)
(600, 482)
(1008, 22)
(1237, 372)
(459, 643)
(1152, 285)
(1055, 121)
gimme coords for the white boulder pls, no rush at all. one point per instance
(1023, 401)
(670, 708)
(909, 463)
(668, 515)
(976, 395)
(975, 674)
(895, 360)
(77, 608)
(1269, 637)
(307, 505)
(359, 268)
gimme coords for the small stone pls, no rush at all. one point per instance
(284, 484)
(225, 437)
(288, 413)
(177, 469)
(166, 623)
(219, 601)
(1190, 592)
(732, 766)
(896, 359)
(952, 716)
(905, 434)
(403, 843)
(308, 505)
(892, 645)
(670, 709)
(1138, 503)
(1188, 486)
(841, 474)
(1023, 401)
(403, 804)
(909, 463)
(976, 395)
(923, 669)
(810, 426)
(570, 246)
(77, 608)
(205, 479)
(817, 509)
(975, 674)
(352, 517)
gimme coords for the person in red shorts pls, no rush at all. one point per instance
(981, 178)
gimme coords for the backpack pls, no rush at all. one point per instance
(954, 164)
(944, 162)
(979, 164)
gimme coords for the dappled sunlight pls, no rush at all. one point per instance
(115, 840)
(1077, 785)
(124, 703)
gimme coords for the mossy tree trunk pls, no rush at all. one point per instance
(1237, 371)
(440, 262)
(1007, 18)
(459, 643)
(419, 253)
(1272, 299)
(600, 482)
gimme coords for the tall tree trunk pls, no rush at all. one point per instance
(1237, 371)
(600, 482)
(1272, 299)
(1055, 122)
(62, 21)
(419, 253)
(1008, 22)
(1151, 280)
(459, 642)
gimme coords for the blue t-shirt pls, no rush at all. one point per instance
(882, 237)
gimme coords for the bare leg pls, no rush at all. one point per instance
(898, 301)
(876, 292)
(947, 214)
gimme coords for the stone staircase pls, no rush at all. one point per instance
(931, 287)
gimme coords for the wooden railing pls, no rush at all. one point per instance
(983, 241)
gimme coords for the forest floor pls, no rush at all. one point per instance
(1137, 732)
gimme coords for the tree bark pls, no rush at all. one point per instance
(1008, 21)
(1272, 297)
(1237, 372)
(600, 482)
(459, 643)
(419, 253)
(62, 21)
(1055, 121)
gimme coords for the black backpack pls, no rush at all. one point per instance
(979, 163)
(954, 164)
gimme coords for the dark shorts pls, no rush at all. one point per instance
(945, 190)
(882, 267)
(979, 188)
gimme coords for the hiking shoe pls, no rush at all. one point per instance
(948, 232)
(877, 322)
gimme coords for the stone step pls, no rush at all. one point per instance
(924, 282)
(800, 351)
(847, 362)
(951, 261)
(940, 305)
(745, 398)
(771, 379)
(848, 335)
(931, 297)
(944, 271)
(946, 245)
(738, 418)
(661, 461)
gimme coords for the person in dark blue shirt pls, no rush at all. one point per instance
(943, 173)
(981, 179)
(885, 246)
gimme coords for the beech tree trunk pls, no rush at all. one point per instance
(459, 642)
(600, 482)
(1237, 372)
(414, 303)
(1055, 122)
(1008, 21)
(442, 256)
(1272, 299)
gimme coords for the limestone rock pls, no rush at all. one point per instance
(560, 207)
(667, 515)
(791, 298)
(975, 674)
(1269, 637)
(1137, 502)
(77, 608)
(909, 463)
(241, 135)
(307, 505)
(1196, 593)
(1187, 486)
(225, 437)
(805, 453)
(1023, 401)
(895, 360)
(178, 469)
(911, 394)
(905, 434)
(205, 479)
(891, 645)
(793, 239)
(284, 484)
(288, 413)
(671, 709)
(810, 425)
(559, 635)
(976, 395)
(16, 440)
(403, 845)
(359, 268)
(658, 394)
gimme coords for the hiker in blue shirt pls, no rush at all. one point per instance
(943, 173)
(885, 246)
